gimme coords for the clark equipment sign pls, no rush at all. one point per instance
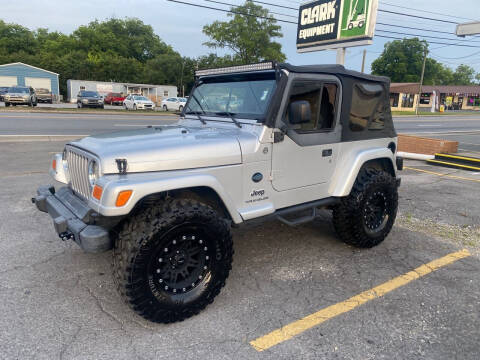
(331, 24)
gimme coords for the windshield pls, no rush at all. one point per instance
(42, 91)
(140, 98)
(248, 98)
(3, 88)
(89, 93)
(115, 95)
(182, 99)
(18, 90)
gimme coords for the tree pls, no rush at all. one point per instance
(477, 77)
(402, 61)
(463, 75)
(248, 35)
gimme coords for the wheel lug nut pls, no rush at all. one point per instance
(166, 249)
(193, 237)
(200, 277)
(158, 271)
(204, 268)
(200, 241)
(184, 237)
(174, 290)
(174, 242)
(205, 248)
(184, 289)
(178, 252)
(160, 260)
(166, 287)
(160, 280)
(207, 257)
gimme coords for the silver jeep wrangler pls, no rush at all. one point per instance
(255, 142)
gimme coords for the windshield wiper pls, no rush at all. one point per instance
(231, 115)
(198, 116)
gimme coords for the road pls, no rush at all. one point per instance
(465, 129)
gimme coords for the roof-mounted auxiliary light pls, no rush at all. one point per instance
(268, 65)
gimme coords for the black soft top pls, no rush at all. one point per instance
(334, 70)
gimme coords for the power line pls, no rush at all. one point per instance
(232, 12)
(292, 22)
(425, 11)
(430, 42)
(415, 28)
(234, 5)
(417, 16)
(456, 58)
(429, 36)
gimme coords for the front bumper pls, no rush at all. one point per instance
(73, 219)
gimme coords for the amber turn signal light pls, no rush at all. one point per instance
(54, 165)
(123, 197)
(97, 192)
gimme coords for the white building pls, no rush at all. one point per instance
(154, 92)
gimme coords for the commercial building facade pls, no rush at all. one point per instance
(406, 96)
(154, 92)
(27, 75)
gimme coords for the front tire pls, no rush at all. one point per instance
(171, 260)
(366, 216)
(165, 108)
(180, 108)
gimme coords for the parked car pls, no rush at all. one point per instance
(114, 99)
(89, 99)
(44, 95)
(3, 91)
(174, 103)
(20, 95)
(134, 102)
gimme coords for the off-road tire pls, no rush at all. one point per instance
(352, 217)
(139, 243)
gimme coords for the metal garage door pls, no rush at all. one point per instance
(38, 83)
(8, 80)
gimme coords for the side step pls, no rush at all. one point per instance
(456, 162)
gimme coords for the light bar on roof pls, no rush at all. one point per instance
(269, 65)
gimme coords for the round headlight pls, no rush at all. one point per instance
(92, 172)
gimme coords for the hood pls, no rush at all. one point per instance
(164, 148)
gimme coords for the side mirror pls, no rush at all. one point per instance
(299, 112)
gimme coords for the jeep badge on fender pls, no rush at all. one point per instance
(163, 199)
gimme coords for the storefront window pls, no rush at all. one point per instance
(407, 100)
(394, 100)
(473, 100)
(425, 98)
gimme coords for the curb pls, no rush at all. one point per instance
(80, 112)
(31, 138)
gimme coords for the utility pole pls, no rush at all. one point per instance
(363, 60)
(341, 56)
(421, 81)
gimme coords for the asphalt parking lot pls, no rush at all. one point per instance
(59, 303)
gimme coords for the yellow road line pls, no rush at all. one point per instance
(297, 327)
(459, 157)
(440, 174)
(453, 164)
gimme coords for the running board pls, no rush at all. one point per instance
(311, 205)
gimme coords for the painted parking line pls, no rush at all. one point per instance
(297, 327)
(440, 174)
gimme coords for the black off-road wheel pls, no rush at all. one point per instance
(171, 260)
(366, 216)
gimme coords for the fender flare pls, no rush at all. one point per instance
(346, 174)
(147, 184)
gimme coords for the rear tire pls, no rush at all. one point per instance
(366, 216)
(165, 108)
(7, 104)
(180, 108)
(172, 259)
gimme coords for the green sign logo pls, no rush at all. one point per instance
(354, 18)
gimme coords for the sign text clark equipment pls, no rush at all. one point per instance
(331, 24)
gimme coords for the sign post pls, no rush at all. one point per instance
(336, 24)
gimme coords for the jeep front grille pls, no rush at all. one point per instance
(78, 169)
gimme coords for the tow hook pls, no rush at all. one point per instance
(66, 235)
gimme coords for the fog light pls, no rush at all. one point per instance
(97, 192)
(123, 197)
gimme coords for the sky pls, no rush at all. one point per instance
(181, 26)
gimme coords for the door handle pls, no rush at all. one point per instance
(327, 152)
